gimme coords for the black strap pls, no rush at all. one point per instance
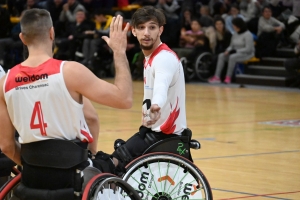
(53, 153)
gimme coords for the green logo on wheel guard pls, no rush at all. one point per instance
(179, 148)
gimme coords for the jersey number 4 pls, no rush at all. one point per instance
(37, 116)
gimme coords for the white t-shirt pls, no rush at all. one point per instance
(2, 72)
(164, 85)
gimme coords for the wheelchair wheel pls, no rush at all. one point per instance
(108, 186)
(189, 72)
(203, 66)
(6, 191)
(167, 176)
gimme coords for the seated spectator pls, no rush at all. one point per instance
(10, 43)
(223, 36)
(251, 12)
(240, 49)
(5, 27)
(169, 7)
(234, 12)
(205, 18)
(171, 31)
(72, 39)
(94, 43)
(186, 20)
(270, 30)
(68, 14)
(188, 38)
(31, 4)
(292, 66)
(55, 7)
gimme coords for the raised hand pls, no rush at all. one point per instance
(117, 39)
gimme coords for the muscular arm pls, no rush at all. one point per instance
(92, 121)
(80, 80)
(8, 144)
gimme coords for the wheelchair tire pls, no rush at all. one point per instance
(202, 66)
(162, 175)
(6, 191)
(189, 72)
(99, 188)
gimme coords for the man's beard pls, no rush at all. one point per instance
(146, 47)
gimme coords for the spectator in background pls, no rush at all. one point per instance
(92, 6)
(75, 34)
(223, 36)
(5, 27)
(241, 48)
(10, 43)
(188, 38)
(270, 31)
(234, 12)
(31, 4)
(250, 9)
(186, 20)
(55, 8)
(296, 8)
(170, 7)
(171, 31)
(68, 14)
(205, 18)
(92, 44)
(15, 7)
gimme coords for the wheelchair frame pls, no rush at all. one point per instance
(201, 68)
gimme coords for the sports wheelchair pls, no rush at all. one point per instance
(166, 171)
(199, 67)
(65, 164)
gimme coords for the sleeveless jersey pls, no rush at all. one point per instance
(164, 85)
(40, 106)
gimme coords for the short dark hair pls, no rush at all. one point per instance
(35, 23)
(266, 7)
(147, 13)
(240, 23)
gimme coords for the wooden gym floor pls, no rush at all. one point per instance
(250, 138)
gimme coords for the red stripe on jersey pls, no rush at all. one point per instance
(169, 125)
(87, 135)
(161, 47)
(22, 75)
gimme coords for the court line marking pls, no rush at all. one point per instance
(242, 155)
(250, 195)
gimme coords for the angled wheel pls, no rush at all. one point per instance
(189, 72)
(167, 176)
(109, 187)
(203, 66)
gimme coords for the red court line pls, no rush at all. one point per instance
(261, 195)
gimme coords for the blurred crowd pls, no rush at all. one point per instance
(232, 30)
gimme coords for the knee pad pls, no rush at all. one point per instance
(103, 162)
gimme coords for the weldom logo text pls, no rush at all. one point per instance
(30, 78)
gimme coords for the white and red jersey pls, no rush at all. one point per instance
(40, 105)
(164, 85)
